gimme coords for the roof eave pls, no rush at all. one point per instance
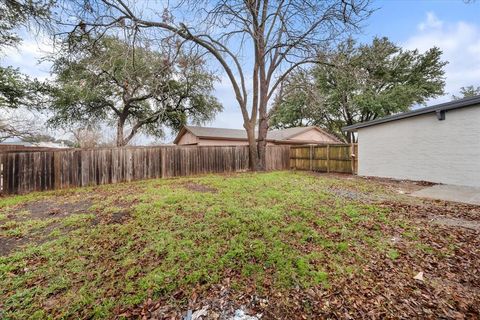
(467, 102)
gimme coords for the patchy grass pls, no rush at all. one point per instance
(293, 238)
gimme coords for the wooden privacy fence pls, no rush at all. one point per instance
(325, 158)
(22, 172)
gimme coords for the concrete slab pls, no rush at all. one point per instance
(470, 195)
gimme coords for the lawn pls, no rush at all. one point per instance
(283, 244)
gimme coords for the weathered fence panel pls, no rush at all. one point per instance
(22, 172)
(325, 158)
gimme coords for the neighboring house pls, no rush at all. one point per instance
(204, 136)
(53, 145)
(438, 144)
(20, 145)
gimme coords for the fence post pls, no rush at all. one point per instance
(328, 158)
(162, 162)
(311, 158)
(2, 174)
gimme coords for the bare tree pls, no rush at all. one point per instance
(89, 137)
(256, 42)
(16, 126)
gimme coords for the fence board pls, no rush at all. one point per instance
(325, 158)
(22, 172)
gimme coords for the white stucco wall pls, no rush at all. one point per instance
(424, 148)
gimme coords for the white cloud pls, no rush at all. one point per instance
(28, 54)
(431, 22)
(460, 43)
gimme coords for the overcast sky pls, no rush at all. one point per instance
(454, 26)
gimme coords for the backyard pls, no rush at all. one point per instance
(276, 245)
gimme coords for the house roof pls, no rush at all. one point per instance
(443, 107)
(241, 134)
(17, 143)
(209, 132)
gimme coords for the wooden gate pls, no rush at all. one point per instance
(325, 158)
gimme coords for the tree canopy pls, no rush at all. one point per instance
(16, 89)
(467, 92)
(135, 88)
(255, 43)
(362, 82)
(18, 13)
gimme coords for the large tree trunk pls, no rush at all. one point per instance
(252, 147)
(262, 139)
(120, 141)
(351, 137)
(263, 101)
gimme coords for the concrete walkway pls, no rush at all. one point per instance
(470, 195)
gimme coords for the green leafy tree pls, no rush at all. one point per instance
(20, 13)
(16, 89)
(298, 102)
(361, 83)
(133, 88)
(467, 92)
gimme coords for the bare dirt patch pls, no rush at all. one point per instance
(119, 217)
(432, 209)
(46, 209)
(399, 186)
(10, 244)
(192, 186)
(37, 211)
(456, 222)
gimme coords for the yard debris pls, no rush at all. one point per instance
(396, 239)
(188, 316)
(241, 315)
(199, 314)
(419, 276)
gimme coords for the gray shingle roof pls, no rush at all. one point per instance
(241, 134)
(443, 107)
(209, 132)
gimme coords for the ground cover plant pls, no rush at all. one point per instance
(281, 244)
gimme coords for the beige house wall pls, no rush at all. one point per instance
(314, 135)
(218, 142)
(187, 138)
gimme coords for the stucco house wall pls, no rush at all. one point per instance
(424, 148)
(187, 138)
(221, 142)
(312, 135)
